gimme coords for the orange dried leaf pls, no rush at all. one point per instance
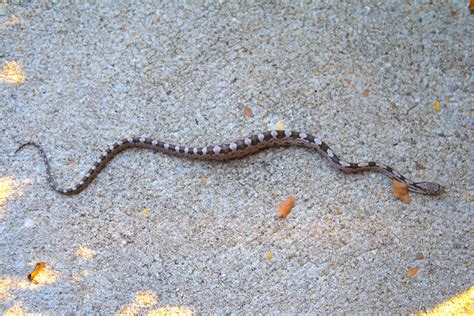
(400, 191)
(365, 93)
(248, 111)
(36, 272)
(270, 256)
(471, 6)
(286, 206)
(412, 271)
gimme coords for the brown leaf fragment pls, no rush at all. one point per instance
(351, 71)
(365, 93)
(400, 191)
(471, 6)
(36, 272)
(454, 14)
(286, 206)
(248, 111)
(346, 82)
(412, 271)
(419, 166)
(419, 256)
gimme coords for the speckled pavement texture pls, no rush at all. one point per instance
(155, 233)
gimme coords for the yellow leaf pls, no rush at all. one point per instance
(145, 211)
(270, 256)
(437, 106)
(280, 125)
(12, 73)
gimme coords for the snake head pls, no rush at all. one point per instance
(431, 188)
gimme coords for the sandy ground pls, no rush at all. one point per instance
(389, 82)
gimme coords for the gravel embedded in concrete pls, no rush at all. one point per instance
(154, 231)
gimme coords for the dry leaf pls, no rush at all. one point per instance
(471, 6)
(12, 73)
(286, 206)
(270, 256)
(420, 256)
(365, 93)
(419, 10)
(437, 106)
(400, 191)
(419, 166)
(248, 111)
(33, 276)
(346, 82)
(145, 212)
(280, 125)
(351, 71)
(412, 271)
(454, 14)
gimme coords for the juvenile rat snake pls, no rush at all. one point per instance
(234, 150)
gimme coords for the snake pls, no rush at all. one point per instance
(234, 150)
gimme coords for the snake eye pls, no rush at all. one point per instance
(430, 187)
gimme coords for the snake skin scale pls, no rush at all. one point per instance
(234, 150)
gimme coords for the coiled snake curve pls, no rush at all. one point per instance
(234, 150)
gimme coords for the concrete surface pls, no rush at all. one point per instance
(156, 233)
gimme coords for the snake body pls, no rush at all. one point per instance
(234, 150)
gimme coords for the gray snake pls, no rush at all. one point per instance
(234, 150)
